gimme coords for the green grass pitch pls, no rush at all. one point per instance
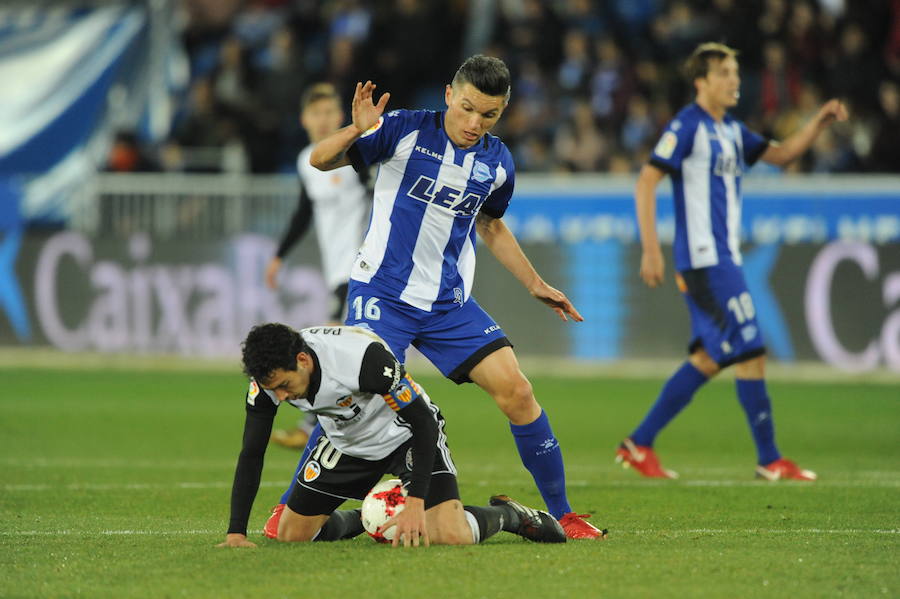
(117, 485)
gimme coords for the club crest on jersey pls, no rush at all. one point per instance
(373, 128)
(481, 172)
(252, 392)
(311, 471)
(448, 197)
(409, 459)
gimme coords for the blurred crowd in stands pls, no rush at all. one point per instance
(594, 81)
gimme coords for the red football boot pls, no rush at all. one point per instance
(575, 527)
(643, 459)
(271, 527)
(784, 469)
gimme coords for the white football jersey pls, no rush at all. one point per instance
(358, 424)
(341, 207)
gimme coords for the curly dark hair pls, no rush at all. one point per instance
(269, 347)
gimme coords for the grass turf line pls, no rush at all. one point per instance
(89, 456)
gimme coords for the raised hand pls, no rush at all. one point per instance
(363, 108)
(833, 110)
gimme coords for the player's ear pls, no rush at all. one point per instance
(448, 93)
(304, 360)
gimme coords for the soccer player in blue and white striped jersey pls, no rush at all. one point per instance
(705, 152)
(442, 178)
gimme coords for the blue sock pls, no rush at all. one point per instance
(542, 456)
(755, 401)
(675, 395)
(310, 443)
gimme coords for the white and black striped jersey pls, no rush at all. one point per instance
(353, 368)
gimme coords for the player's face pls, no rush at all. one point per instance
(322, 118)
(722, 85)
(291, 384)
(470, 113)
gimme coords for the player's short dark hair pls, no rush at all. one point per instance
(318, 91)
(269, 347)
(697, 64)
(487, 74)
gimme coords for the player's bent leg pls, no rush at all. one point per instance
(752, 369)
(703, 362)
(751, 390)
(340, 524)
(499, 374)
(636, 451)
(294, 527)
(447, 524)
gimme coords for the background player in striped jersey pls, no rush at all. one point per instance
(442, 177)
(706, 151)
(339, 203)
(375, 419)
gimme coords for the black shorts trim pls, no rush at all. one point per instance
(747, 355)
(460, 374)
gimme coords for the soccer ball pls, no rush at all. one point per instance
(384, 501)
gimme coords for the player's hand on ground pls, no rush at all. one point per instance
(833, 110)
(653, 267)
(557, 300)
(410, 529)
(236, 540)
(363, 108)
(272, 272)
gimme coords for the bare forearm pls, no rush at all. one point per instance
(331, 152)
(791, 148)
(795, 145)
(645, 206)
(505, 247)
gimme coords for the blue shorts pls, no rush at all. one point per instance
(723, 319)
(454, 340)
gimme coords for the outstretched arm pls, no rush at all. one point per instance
(652, 262)
(504, 246)
(331, 152)
(782, 154)
(257, 428)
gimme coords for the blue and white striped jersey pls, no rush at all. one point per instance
(706, 160)
(420, 245)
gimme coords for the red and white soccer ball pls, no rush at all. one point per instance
(384, 501)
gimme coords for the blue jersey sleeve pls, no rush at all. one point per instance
(501, 190)
(378, 143)
(754, 145)
(673, 146)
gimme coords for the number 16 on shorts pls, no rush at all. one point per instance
(365, 307)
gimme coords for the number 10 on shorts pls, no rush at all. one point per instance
(741, 306)
(369, 308)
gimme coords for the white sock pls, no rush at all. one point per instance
(473, 524)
